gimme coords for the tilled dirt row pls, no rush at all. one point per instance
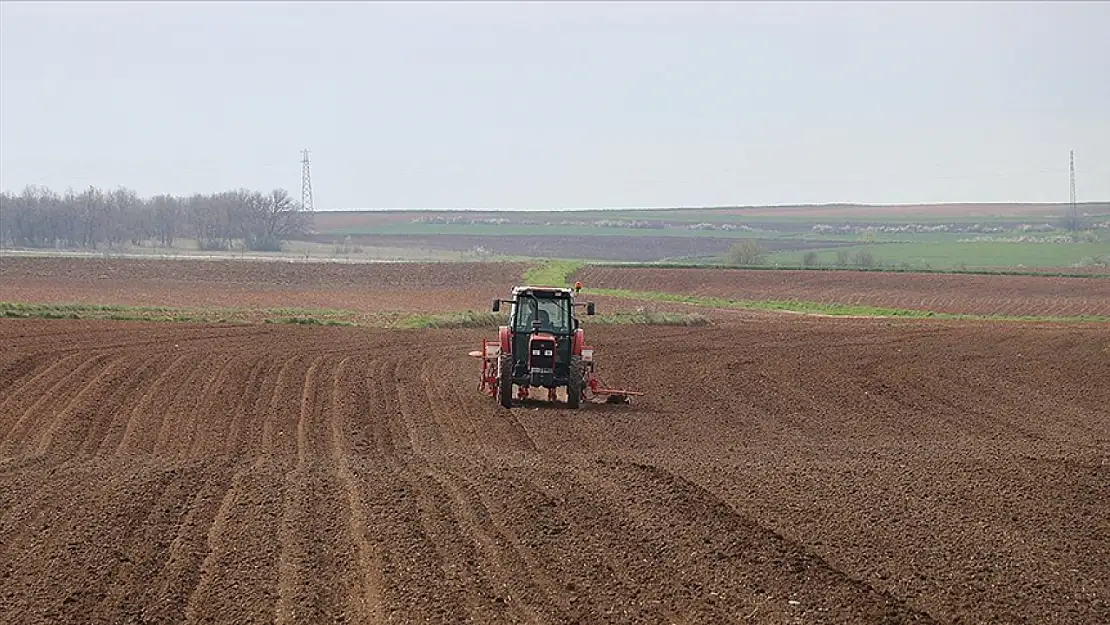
(948, 293)
(779, 470)
(399, 276)
(364, 287)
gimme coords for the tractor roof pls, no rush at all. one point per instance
(542, 290)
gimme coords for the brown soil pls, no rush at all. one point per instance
(779, 470)
(950, 293)
(377, 287)
(384, 276)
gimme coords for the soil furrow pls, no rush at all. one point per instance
(800, 583)
(105, 412)
(210, 424)
(139, 413)
(364, 597)
(239, 575)
(180, 574)
(515, 588)
(242, 419)
(87, 399)
(55, 379)
(279, 428)
(312, 522)
(177, 413)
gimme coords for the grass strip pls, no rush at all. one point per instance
(313, 317)
(27, 310)
(830, 309)
(719, 266)
(491, 320)
(467, 319)
(559, 273)
(551, 273)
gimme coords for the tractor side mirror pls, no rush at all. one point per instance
(590, 308)
(496, 305)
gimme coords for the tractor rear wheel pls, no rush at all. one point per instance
(576, 372)
(505, 381)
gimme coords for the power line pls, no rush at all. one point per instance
(306, 183)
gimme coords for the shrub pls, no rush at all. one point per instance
(863, 259)
(746, 253)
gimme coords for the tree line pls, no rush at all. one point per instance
(92, 219)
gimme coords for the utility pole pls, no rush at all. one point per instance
(1073, 209)
(306, 183)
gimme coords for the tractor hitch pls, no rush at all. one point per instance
(594, 390)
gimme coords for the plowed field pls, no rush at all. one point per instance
(780, 471)
(401, 287)
(949, 293)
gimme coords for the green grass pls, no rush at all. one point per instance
(560, 272)
(799, 267)
(314, 317)
(322, 317)
(20, 310)
(468, 319)
(493, 320)
(508, 230)
(923, 251)
(955, 255)
(830, 309)
(552, 273)
(770, 228)
(793, 215)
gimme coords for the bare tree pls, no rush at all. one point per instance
(38, 217)
(273, 219)
(168, 217)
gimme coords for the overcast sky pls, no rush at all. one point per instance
(560, 105)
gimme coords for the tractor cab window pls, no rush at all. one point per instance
(552, 314)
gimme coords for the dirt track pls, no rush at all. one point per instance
(792, 470)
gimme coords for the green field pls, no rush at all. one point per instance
(937, 238)
(950, 255)
(509, 230)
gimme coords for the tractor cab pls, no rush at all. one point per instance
(539, 309)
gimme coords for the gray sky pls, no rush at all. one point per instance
(536, 105)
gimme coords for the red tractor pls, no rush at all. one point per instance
(542, 346)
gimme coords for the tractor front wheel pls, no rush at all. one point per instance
(577, 375)
(505, 381)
